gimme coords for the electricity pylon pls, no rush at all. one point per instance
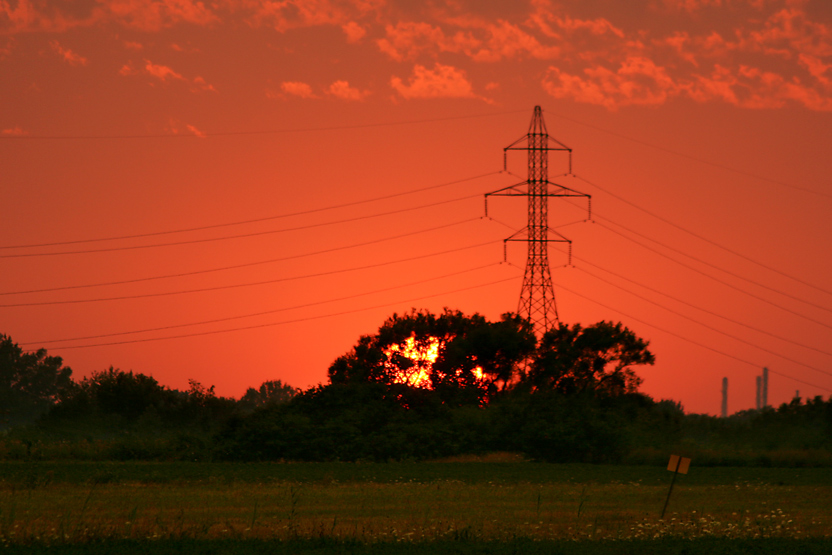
(537, 296)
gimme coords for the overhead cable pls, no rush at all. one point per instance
(248, 265)
(683, 338)
(254, 220)
(260, 313)
(294, 321)
(741, 290)
(694, 320)
(705, 239)
(705, 310)
(584, 261)
(694, 158)
(214, 288)
(237, 236)
(262, 132)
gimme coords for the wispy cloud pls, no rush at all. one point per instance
(160, 72)
(70, 57)
(353, 31)
(343, 90)
(440, 82)
(15, 131)
(165, 74)
(297, 88)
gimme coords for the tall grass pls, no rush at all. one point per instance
(407, 511)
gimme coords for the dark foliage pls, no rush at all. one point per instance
(463, 345)
(30, 383)
(597, 359)
(115, 401)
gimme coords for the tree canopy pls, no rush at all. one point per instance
(29, 382)
(597, 358)
(453, 355)
(461, 358)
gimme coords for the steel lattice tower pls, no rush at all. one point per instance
(537, 295)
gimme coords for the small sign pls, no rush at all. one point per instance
(678, 464)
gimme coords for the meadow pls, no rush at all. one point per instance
(475, 506)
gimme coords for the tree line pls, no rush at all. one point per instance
(424, 386)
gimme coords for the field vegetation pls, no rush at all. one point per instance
(420, 503)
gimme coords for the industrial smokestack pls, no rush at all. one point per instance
(759, 392)
(765, 387)
(724, 397)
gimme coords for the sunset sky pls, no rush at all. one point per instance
(290, 173)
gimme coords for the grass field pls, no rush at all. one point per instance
(354, 506)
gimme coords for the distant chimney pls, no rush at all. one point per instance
(724, 397)
(765, 387)
(759, 392)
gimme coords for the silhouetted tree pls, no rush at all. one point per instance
(29, 382)
(463, 347)
(597, 358)
(273, 392)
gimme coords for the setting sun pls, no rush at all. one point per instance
(423, 357)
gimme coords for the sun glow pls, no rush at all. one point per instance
(423, 357)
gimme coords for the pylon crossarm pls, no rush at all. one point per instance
(564, 240)
(569, 191)
(560, 239)
(564, 149)
(522, 235)
(509, 191)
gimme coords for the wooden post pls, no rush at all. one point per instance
(677, 465)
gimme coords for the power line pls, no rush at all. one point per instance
(683, 338)
(694, 158)
(271, 324)
(810, 303)
(254, 220)
(248, 265)
(688, 266)
(261, 313)
(734, 337)
(215, 288)
(685, 302)
(263, 132)
(714, 266)
(677, 299)
(237, 236)
(705, 239)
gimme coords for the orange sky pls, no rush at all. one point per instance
(133, 117)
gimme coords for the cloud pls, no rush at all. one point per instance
(481, 41)
(68, 55)
(165, 74)
(817, 69)
(406, 40)
(754, 88)
(507, 40)
(195, 131)
(343, 90)
(354, 31)
(440, 82)
(153, 15)
(15, 131)
(200, 84)
(177, 127)
(6, 51)
(284, 15)
(160, 72)
(297, 88)
(637, 81)
(132, 45)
